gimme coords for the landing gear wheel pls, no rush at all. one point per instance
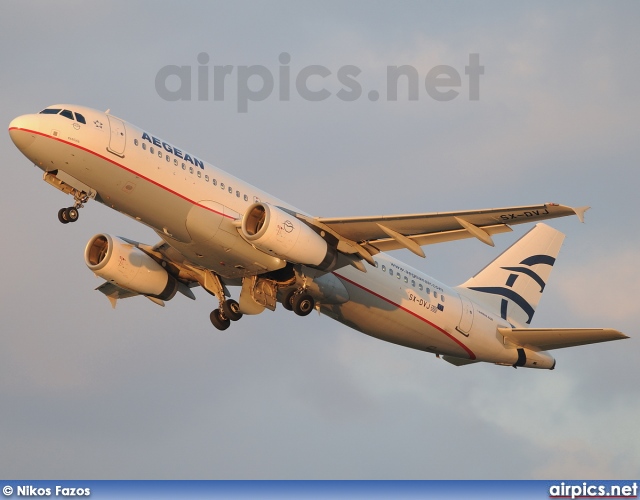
(72, 214)
(62, 216)
(231, 309)
(303, 304)
(287, 303)
(218, 320)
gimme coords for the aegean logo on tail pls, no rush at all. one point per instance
(512, 295)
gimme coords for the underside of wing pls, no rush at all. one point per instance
(546, 339)
(367, 236)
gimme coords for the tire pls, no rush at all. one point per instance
(303, 304)
(231, 309)
(72, 214)
(62, 216)
(218, 321)
(287, 303)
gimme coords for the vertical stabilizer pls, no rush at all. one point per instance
(513, 283)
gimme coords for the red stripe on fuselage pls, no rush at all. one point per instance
(122, 167)
(469, 352)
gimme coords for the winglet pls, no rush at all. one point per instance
(580, 212)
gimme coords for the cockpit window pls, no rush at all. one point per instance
(64, 112)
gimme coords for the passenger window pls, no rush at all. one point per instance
(184, 167)
(151, 150)
(144, 146)
(398, 275)
(206, 178)
(215, 182)
(420, 286)
(246, 198)
(406, 280)
(190, 170)
(375, 262)
(384, 268)
(238, 194)
(135, 141)
(159, 154)
(222, 185)
(175, 162)
(230, 189)
(441, 298)
(428, 291)
(435, 294)
(390, 272)
(199, 174)
(67, 114)
(413, 283)
(81, 119)
(167, 157)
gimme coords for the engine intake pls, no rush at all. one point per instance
(125, 265)
(274, 231)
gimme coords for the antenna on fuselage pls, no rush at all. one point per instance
(107, 111)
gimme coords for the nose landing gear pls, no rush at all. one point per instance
(71, 214)
(66, 215)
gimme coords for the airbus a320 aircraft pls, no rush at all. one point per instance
(217, 231)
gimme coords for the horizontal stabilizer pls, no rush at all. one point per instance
(546, 339)
(459, 361)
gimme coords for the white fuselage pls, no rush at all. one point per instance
(195, 207)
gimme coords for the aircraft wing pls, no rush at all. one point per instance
(367, 236)
(556, 338)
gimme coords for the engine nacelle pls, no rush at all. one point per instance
(125, 265)
(278, 233)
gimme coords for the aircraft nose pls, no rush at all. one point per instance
(22, 131)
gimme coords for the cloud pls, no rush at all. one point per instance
(604, 287)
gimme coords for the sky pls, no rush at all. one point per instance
(143, 392)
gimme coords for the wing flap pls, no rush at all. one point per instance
(547, 339)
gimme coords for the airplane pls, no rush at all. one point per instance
(217, 232)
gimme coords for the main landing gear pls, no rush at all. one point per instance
(229, 311)
(299, 301)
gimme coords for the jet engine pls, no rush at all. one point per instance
(274, 231)
(125, 265)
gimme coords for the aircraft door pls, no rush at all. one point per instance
(466, 319)
(118, 137)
